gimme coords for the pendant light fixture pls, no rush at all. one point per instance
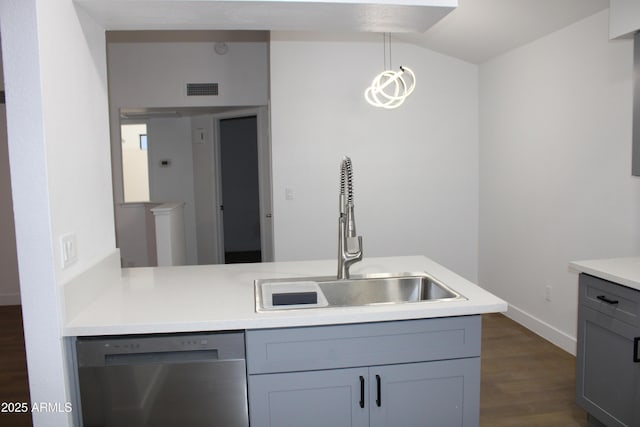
(389, 89)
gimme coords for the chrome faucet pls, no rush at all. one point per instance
(349, 245)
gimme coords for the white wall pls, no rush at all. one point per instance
(415, 168)
(170, 139)
(155, 74)
(136, 234)
(9, 281)
(204, 178)
(555, 170)
(59, 152)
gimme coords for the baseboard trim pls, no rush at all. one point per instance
(10, 299)
(545, 330)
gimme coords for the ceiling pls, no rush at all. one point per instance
(476, 31)
(479, 30)
(280, 15)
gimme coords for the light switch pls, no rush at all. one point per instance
(68, 249)
(289, 193)
(200, 136)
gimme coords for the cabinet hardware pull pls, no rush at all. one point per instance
(636, 350)
(607, 300)
(361, 391)
(379, 397)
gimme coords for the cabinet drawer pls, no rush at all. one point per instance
(362, 344)
(617, 301)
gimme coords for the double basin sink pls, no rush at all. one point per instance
(373, 289)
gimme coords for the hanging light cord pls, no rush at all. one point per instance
(384, 51)
(389, 89)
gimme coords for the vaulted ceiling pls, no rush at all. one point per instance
(475, 31)
(479, 30)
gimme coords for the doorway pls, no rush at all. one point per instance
(244, 196)
(187, 140)
(240, 197)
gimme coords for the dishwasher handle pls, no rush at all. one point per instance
(164, 348)
(166, 357)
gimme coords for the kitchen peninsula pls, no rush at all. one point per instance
(108, 300)
(371, 363)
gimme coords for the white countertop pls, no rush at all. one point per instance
(624, 271)
(221, 297)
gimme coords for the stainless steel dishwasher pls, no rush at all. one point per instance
(163, 380)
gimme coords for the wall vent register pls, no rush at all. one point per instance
(202, 89)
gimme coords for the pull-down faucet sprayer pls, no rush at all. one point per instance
(349, 245)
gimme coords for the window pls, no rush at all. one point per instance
(135, 163)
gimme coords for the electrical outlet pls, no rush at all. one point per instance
(68, 249)
(547, 293)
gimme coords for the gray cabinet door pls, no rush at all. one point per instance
(608, 379)
(440, 394)
(335, 398)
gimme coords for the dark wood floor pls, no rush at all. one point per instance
(526, 381)
(13, 366)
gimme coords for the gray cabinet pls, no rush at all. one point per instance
(309, 399)
(406, 373)
(441, 393)
(608, 353)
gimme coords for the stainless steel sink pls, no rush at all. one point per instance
(318, 292)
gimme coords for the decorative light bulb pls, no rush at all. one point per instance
(389, 89)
